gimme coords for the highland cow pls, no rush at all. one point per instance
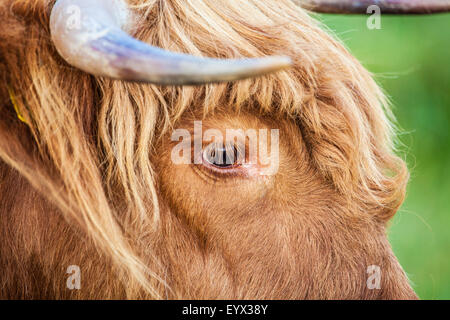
(86, 177)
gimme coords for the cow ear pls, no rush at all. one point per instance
(349, 140)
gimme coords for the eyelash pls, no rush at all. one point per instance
(224, 159)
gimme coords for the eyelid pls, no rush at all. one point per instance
(235, 170)
(227, 153)
(250, 167)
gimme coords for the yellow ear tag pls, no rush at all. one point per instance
(16, 108)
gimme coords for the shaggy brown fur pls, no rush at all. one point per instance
(88, 180)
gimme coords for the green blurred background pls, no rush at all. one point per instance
(410, 57)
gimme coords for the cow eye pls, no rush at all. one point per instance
(222, 156)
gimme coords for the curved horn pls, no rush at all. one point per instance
(386, 6)
(89, 34)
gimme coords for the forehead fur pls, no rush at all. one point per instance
(340, 109)
(342, 113)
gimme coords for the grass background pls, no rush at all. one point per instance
(410, 57)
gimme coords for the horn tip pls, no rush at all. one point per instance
(278, 62)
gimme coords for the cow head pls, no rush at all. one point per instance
(90, 176)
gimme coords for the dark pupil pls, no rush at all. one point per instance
(223, 157)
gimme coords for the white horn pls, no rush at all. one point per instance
(89, 35)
